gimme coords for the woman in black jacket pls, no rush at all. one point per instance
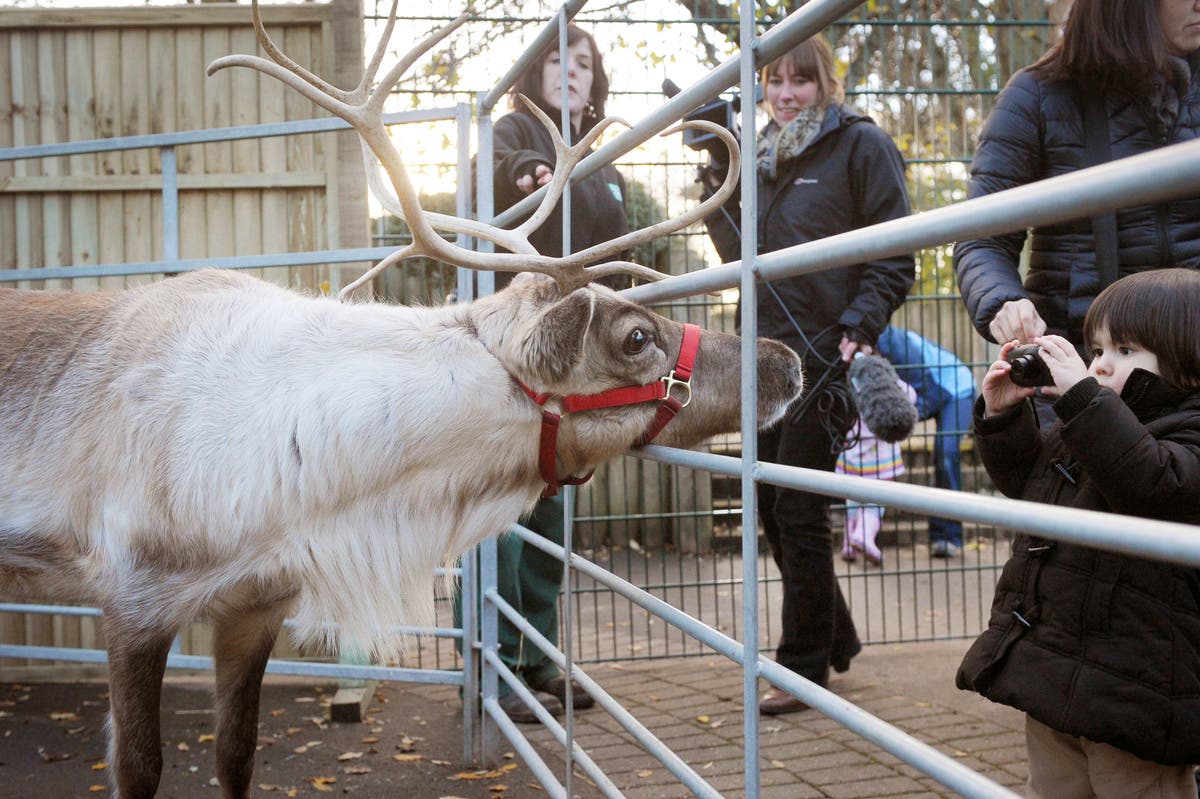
(1136, 62)
(823, 169)
(1102, 651)
(524, 151)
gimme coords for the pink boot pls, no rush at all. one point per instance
(852, 540)
(872, 520)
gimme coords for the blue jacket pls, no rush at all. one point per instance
(935, 373)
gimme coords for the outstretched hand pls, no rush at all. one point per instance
(542, 175)
(1017, 319)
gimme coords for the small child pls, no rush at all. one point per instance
(868, 456)
(1100, 650)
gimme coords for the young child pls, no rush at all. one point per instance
(872, 457)
(1101, 651)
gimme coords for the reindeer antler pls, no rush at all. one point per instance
(362, 107)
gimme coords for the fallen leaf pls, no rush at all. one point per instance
(778, 764)
(322, 783)
(64, 715)
(182, 746)
(97, 788)
(371, 740)
(357, 769)
(703, 719)
(99, 766)
(498, 788)
(275, 713)
(207, 737)
(645, 773)
(407, 758)
(344, 756)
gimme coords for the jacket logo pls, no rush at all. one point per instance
(805, 182)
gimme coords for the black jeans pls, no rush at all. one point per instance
(817, 628)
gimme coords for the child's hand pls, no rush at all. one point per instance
(1064, 363)
(999, 391)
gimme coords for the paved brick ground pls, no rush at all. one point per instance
(695, 706)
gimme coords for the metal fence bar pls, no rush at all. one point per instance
(1157, 540)
(561, 734)
(290, 667)
(748, 41)
(210, 135)
(940, 767)
(1165, 174)
(167, 142)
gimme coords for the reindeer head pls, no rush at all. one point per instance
(593, 341)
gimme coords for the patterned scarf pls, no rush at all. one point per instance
(776, 146)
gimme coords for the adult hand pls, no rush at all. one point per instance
(999, 391)
(1063, 361)
(540, 177)
(1017, 319)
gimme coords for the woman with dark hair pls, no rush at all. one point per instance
(823, 169)
(524, 159)
(1122, 80)
(524, 150)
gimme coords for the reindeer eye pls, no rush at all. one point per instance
(636, 341)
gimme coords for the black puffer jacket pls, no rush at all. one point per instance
(597, 201)
(851, 175)
(1092, 643)
(1036, 132)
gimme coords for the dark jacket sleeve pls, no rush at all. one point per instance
(724, 226)
(1008, 445)
(1008, 155)
(516, 153)
(1137, 472)
(880, 194)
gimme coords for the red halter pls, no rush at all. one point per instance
(660, 389)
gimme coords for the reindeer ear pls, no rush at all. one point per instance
(554, 343)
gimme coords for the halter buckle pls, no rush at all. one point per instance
(673, 381)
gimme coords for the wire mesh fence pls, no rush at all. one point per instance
(928, 73)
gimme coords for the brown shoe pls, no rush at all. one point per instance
(557, 687)
(776, 701)
(519, 712)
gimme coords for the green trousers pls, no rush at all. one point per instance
(530, 581)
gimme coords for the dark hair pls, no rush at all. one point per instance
(812, 59)
(1109, 44)
(530, 82)
(1158, 309)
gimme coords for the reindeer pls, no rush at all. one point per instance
(213, 447)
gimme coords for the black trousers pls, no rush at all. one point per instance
(817, 628)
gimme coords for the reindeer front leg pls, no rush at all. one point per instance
(137, 659)
(243, 643)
